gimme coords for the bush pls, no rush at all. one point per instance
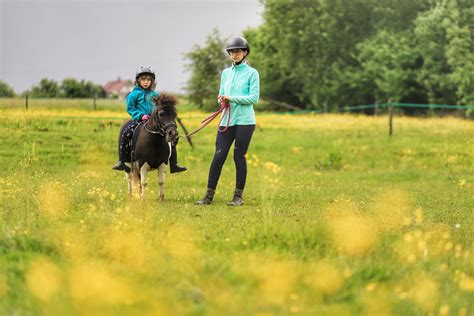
(6, 91)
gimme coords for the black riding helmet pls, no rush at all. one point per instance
(145, 70)
(236, 43)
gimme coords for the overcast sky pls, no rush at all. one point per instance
(99, 40)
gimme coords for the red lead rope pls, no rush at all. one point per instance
(224, 107)
(207, 120)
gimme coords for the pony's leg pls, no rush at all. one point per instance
(161, 180)
(143, 181)
(128, 176)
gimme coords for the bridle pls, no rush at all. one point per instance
(162, 128)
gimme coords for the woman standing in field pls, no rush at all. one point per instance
(240, 87)
(140, 105)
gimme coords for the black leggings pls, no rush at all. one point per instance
(242, 134)
(125, 138)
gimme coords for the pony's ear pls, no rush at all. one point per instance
(155, 100)
(166, 99)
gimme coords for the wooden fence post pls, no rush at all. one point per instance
(26, 101)
(95, 106)
(390, 117)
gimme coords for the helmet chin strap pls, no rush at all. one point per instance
(241, 61)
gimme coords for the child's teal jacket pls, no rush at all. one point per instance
(140, 102)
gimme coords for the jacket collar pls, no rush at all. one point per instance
(240, 66)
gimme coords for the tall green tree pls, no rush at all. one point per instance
(388, 62)
(308, 48)
(446, 46)
(459, 51)
(6, 91)
(206, 64)
(308, 57)
(45, 89)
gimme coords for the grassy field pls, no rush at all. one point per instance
(340, 219)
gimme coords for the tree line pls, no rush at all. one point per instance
(68, 88)
(329, 54)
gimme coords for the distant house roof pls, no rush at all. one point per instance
(118, 87)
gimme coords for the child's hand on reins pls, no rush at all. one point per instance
(145, 117)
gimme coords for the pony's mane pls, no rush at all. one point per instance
(166, 99)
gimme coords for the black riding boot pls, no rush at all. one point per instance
(207, 199)
(174, 167)
(237, 200)
(120, 164)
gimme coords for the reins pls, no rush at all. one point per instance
(160, 132)
(210, 118)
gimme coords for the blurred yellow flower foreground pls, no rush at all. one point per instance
(338, 219)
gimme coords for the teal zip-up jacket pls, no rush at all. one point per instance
(140, 102)
(242, 84)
